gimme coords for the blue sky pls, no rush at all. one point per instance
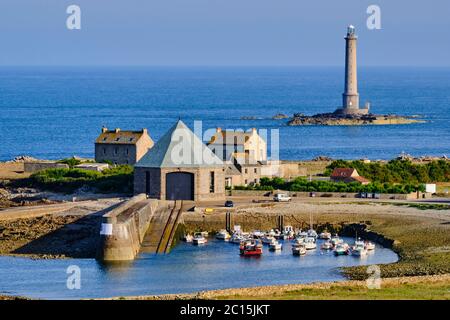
(223, 32)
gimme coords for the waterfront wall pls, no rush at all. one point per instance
(382, 196)
(43, 165)
(123, 228)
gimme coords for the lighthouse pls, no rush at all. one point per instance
(350, 98)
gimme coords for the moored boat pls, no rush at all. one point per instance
(327, 245)
(275, 246)
(310, 243)
(267, 239)
(325, 235)
(298, 249)
(359, 249)
(199, 239)
(251, 247)
(369, 245)
(188, 237)
(223, 235)
(341, 249)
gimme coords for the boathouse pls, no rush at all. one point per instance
(180, 167)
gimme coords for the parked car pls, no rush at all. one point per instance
(282, 197)
(229, 204)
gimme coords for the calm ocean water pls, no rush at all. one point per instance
(58, 112)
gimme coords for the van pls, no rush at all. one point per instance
(282, 197)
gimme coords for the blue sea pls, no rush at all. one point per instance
(56, 112)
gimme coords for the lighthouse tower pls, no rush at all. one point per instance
(351, 96)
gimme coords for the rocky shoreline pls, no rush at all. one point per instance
(333, 119)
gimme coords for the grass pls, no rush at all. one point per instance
(422, 289)
(114, 180)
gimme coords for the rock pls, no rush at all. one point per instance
(279, 116)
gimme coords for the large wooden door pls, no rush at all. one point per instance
(179, 186)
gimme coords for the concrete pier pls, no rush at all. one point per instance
(123, 228)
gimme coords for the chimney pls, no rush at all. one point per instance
(219, 129)
(104, 129)
(254, 131)
(144, 131)
(117, 130)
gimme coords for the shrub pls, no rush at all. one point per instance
(118, 179)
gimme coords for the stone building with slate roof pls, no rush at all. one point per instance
(180, 167)
(122, 147)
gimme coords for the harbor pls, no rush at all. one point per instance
(187, 269)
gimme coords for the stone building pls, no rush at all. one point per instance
(244, 154)
(347, 175)
(233, 144)
(122, 147)
(180, 167)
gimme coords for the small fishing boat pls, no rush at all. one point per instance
(251, 247)
(369, 245)
(237, 238)
(302, 234)
(341, 249)
(310, 243)
(275, 246)
(188, 237)
(336, 240)
(288, 233)
(267, 239)
(327, 245)
(298, 249)
(223, 235)
(199, 239)
(359, 249)
(258, 234)
(205, 233)
(312, 233)
(325, 235)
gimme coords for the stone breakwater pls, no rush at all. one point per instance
(332, 119)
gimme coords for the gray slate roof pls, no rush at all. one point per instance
(179, 148)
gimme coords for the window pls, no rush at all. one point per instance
(116, 150)
(104, 150)
(246, 171)
(211, 182)
(127, 151)
(246, 181)
(256, 170)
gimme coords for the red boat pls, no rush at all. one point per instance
(250, 248)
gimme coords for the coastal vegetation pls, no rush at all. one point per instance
(114, 180)
(303, 185)
(397, 171)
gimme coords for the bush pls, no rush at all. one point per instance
(303, 185)
(397, 171)
(115, 180)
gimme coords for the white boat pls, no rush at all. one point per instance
(302, 234)
(359, 249)
(341, 249)
(369, 245)
(223, 235)
(288, 233)
(299, 240)
(310, 243)
(298, 249)
(336, 240)
(188, 238)
(199, 239)
(267, 239)
(325, 236)
(205, 233)
(312, 233)
(275, 246)
(257, 234)
(327, 245)
(237, 238)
